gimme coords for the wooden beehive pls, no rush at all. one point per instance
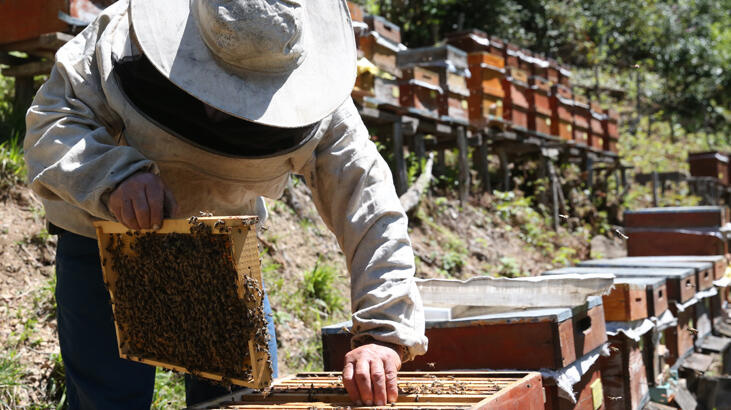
(511, 55)
(435, 390)
(356, 11)
(677, 217)
(562, 117)
(589, 392)
(550, 338)
(515, 109)
(703, 270)
(539, 114)
(596, 130)
(610, 125)
(182, 273)
(582, 120)
(681, 284)
(709, 164)
(720, 263)
(679, 338)
(496, 46)
(22, 20)
(624, 376)
(383, 27)
(452, 66)
(381, 52)
(540, 67)
(553, 71)
(469, 41)
(659, 241)
(564, 76)
(420, 90)
(485, 87)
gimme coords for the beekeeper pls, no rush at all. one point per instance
(176, 106)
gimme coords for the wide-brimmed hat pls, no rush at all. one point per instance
(284, 63)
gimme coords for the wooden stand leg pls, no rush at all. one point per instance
(504, 168)
(419, 150)
(484, 165)
(23, 93)
(400, 178)
(464, 169)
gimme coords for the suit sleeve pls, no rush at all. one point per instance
(354, 193)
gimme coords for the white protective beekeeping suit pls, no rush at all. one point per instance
(85, 137)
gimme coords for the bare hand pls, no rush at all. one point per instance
(370, 374)
(141, 201)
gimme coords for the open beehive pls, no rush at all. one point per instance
(438, 390)
(188, 297)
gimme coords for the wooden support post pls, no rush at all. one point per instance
(542, 175)
(483, 165)
(24, 93)
(441, 165)
(554, 193)
(464, 168)
(400, 178)
(419, 149)
(618, 179)
(655, 182)
(504, 168)
(589, 164)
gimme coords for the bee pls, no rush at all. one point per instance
(620, 234)
(563, 216)
(431, 365)
(692, 331)
(614, 398)
(614, 349)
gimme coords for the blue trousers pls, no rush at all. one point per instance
(96, 378)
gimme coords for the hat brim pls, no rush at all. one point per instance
(168, 34)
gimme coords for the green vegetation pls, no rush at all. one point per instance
(12, 164)
(11, 371)
(169, 390)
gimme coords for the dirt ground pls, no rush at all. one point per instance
(27, 307)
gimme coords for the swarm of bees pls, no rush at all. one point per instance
(176, 300)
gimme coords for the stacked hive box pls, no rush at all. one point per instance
(29, 19)
(379, 44)
(515, 87)
(610, 126)
(450, 63)
(420, 90)
(538, 338)
(562, 108)
(596, 129)
(486, 89)
(539, 115)
(710, 164)
(582, 120)
(676, 231)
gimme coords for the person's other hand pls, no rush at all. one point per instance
(370, 374)
(141, 201)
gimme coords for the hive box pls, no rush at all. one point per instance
(623, 375)
(610, 125)
(654, 241)
(596, 130)
(515, 86)
(562, 117)
(549, 338)
(703, 270)
(709, 164)
(589, 392)
(420, 90)
(485, 88)
(451, 65)
(539, 114)
(433, 390)
(681, 282)
(582, 120)
(470, 41)
(28, 19)
(720, 263)
(677, 217)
